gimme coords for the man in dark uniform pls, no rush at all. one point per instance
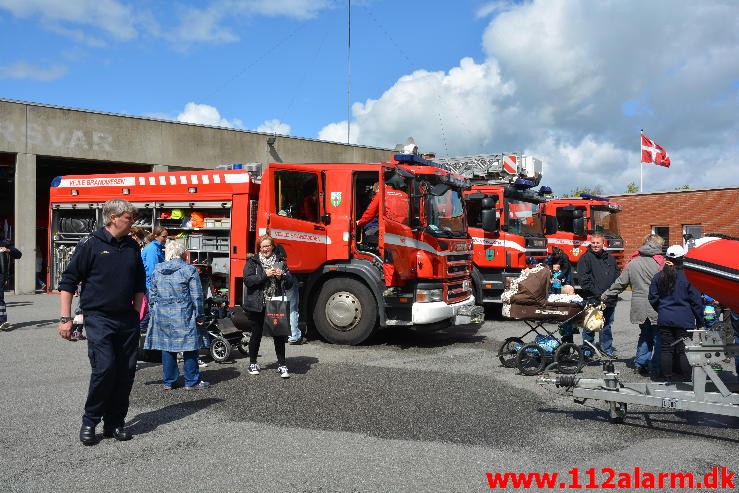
(596, 271)
(109, 266)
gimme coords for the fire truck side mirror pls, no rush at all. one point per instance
(487, 203)
(550, 225)
(326, 218)
(489, 221)
(578, 226)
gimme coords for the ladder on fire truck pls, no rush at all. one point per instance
(504, 167)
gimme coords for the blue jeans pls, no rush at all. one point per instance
(605, 339)
(293, 297)
(648, 347)
(171, 372)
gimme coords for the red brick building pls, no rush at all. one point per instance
(674, 213)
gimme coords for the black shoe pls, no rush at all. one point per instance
(119, 433)
(87, 435)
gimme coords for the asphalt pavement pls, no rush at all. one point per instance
(408, 412)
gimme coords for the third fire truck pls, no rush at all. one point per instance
(577, 219)
(506, 183)
(413, 270)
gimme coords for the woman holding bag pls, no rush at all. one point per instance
(266, 275)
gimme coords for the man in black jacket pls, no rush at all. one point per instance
(8, 253)
(596, 271)
(109, 266)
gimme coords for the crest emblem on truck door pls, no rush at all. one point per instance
(336, 199)
(489, 254)
(575, 251)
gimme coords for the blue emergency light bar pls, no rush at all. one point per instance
(593, 197)
(523, 184)
(544, 190)
(414, 159)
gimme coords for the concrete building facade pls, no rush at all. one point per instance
(674, 213)
(39, 142)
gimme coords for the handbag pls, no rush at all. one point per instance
(277, 317)
(594, 319)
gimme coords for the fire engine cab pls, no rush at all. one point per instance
(577, 219)
(409, 267)
(503, 183)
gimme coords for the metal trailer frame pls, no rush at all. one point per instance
(714, 397)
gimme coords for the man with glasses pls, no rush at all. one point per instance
(108, 264)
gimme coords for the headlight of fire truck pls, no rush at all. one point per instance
(536, 243)
(616, 244)
(428, 295)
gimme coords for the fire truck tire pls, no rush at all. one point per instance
(345, 312)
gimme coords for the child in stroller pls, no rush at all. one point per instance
(223, 333)
(527, 300)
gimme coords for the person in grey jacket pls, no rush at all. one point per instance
(638, 274)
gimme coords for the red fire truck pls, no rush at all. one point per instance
(579, 217)
(414, 271)
(505, 182)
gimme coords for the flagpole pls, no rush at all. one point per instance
(641, 165)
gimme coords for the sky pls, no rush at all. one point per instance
(571, 82)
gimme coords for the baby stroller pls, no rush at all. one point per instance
(223, 333)
(526, 300)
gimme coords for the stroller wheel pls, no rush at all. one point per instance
(220, 349)
(531, 359)
(569, 358)
(508, 351)
(243, 345)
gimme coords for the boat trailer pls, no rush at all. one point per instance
(706, 392)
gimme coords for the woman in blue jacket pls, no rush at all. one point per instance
(679, 308)
(176, 304)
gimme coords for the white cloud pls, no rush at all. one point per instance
(204, 114)
(111, 16)
(336, 132)
(274, 127)
(573, 81)
(25, 70)
(213, 23)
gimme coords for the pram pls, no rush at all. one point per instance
(223, 333)
(526, 300)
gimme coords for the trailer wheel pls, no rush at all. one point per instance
(220, 349)
(569, 358)
(531, 359)
(617, 412)
(345, 312)
(509, 350)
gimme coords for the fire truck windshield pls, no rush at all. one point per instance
(445, 213)
(604, 221)
(523, 217)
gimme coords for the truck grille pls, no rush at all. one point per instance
(458, 265)
(455, 292)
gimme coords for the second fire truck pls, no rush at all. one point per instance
(504, 182)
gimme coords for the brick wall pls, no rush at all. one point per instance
(716, 210)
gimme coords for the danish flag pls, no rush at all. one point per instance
(651, 152)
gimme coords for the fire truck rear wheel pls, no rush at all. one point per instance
(346, 312)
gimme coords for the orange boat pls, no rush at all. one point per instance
(712, 266)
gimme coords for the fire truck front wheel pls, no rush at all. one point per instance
(346, 312)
